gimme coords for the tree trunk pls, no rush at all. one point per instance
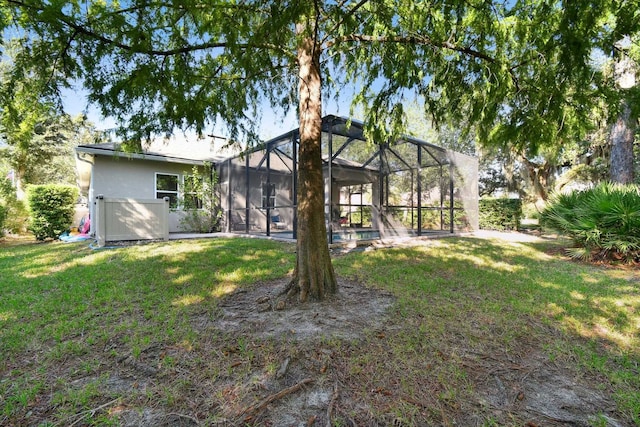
(19, 171)
(622, 147)
(539, 176)
(314, 276)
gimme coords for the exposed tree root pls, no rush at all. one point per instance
(334, 397)
(252, 410)
(291, 290)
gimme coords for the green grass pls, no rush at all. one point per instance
(486, 296)
(506, 282)
(53, 292)
(63, 301)
(69, 314)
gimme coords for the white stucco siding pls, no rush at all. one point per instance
(132, 178)
(117, 177)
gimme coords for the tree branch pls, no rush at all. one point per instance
(348, 14)
(247, 413)
(415, 40)
(83, 30)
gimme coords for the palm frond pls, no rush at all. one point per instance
(604, 219)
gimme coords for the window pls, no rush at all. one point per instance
(268, 195)
(191, 185)
(167, 186)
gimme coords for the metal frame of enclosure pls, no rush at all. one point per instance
(405, 187)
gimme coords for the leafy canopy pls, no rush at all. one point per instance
(36, 138)
(516, 71)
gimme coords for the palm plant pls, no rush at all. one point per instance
(603, 221)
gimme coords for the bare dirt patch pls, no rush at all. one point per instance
(539, 391)
(261, 311)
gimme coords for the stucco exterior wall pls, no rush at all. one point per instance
(117, 177)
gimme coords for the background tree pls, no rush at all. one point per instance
(603, 37)
(39, 145)
(623, 129)
(28, 128)
(37, 137)
(158, 65)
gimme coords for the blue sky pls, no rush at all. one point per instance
(272, 125)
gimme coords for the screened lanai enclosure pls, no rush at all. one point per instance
(405, 187)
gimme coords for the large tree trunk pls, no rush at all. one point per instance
(314, 276)
(622, 133)
(539, 176)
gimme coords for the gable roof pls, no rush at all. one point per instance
(157, 153)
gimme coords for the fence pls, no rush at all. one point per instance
(131, 219)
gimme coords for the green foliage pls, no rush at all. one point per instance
(155, 66)
(518, 73)
(201, 201)
(51, 208)
(602, 222)
(16, 212)
(39, 138)
(3, 218)
(500, 214)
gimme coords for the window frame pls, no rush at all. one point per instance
(162, 193)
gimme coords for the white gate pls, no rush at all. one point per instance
(131, 219)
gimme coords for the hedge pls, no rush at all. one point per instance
(3, 218)
(51, 209)
(500, 214)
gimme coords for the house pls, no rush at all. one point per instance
(156, 172)
(403, 187)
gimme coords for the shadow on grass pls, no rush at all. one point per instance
(507, 294)
(510, 295)
(591, 301)
(68, 312)
(56, 291)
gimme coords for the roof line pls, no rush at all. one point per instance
(158, 157)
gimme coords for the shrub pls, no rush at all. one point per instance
(500, 214)
(51, 208)
(3, 219)
(16, 212)
(603, 222)
(201, 202)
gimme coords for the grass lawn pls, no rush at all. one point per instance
(128, 336)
